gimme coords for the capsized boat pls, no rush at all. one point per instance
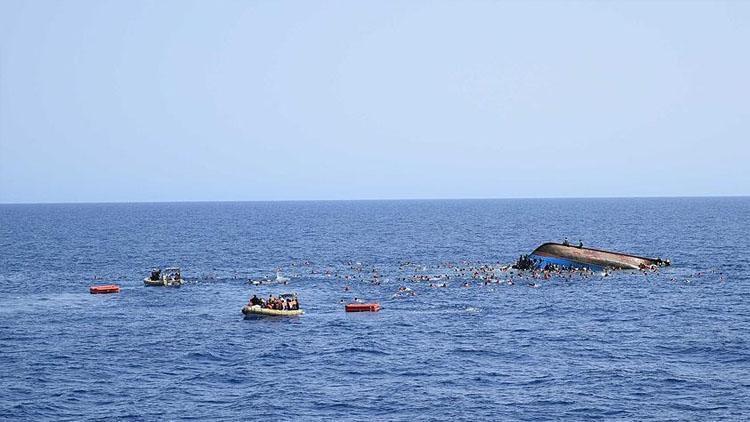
(570, 256)
(169, 277)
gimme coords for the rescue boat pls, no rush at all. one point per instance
(169, 277)
(249, 310)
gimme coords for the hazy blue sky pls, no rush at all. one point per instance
(243, 100)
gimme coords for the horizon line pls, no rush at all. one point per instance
(378, 199)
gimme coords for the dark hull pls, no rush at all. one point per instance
(595, 259)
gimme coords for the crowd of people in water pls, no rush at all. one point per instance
(525, 262)
(280, 303)
(408, 278)
(404, 277)
(527, 272)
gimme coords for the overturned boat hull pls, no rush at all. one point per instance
(569, 256)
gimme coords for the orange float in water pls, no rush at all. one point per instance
(109, 288)
(362, 307)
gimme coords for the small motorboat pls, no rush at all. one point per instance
(280, 278)
(169, 277)
(108, 288)
(258, 281)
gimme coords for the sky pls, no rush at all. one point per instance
(117, 101)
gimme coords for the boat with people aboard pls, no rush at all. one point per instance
(171, 277)
(284, 305)
(564, 255)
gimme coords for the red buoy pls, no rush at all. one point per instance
(109, 288)
(362, 307)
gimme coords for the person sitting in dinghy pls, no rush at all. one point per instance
(155, 274)
(289, 302)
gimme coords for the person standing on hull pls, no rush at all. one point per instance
(565, 242)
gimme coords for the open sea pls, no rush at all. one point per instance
(666, 345)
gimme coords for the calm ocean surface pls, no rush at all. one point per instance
(672, 345)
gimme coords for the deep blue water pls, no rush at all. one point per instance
(672, 345)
